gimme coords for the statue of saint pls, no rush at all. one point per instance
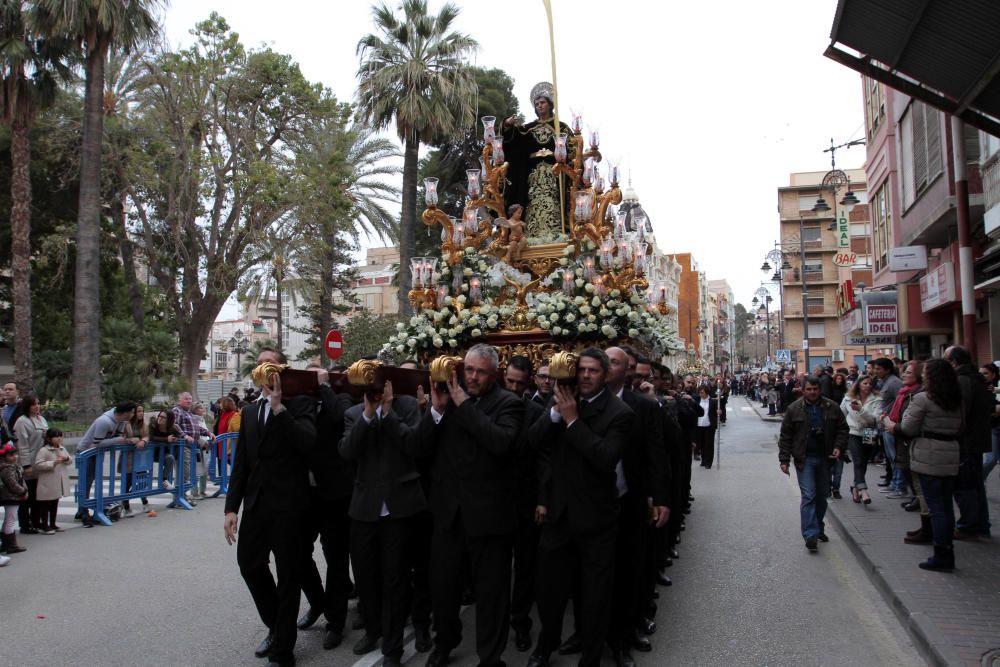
(530, 152)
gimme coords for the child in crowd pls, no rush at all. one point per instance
(13, 490)
(52, 466)
(772, 400)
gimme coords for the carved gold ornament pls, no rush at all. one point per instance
(442, 367)
(263, 375)
(562, 366)
(362, 373)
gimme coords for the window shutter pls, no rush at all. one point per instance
(934, 162)
(919, 146)
(971, 144)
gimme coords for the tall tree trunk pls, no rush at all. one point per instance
(325, 301)
(408, 222)
(128, 261)
(193, 337)
(20, 231)
(280, 319)
(85, 390)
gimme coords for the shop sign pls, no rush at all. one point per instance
(843, 231)
(908, 258)
(851, 321)
(845, 258)
(845, 297)
(881, 320)
(937, 287)
(871, 340)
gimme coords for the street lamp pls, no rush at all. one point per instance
(777, 256)
(240, 345)
(765, 297)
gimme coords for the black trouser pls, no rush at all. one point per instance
(489, 557)
(382, 567)
(525, 560)
(561, 554)
(420, 561)
(722, 409)
(28, 514)
(705, 438)
(629, 578)
(46, 512)
(329, 521)
(264, 532)
(970, 496)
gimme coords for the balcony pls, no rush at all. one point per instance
(828, 275)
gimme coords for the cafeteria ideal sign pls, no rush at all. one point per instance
(881, 320)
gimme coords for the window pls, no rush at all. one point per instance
(859, 229)
(814, 305)
(881, 209)
(874, 105)
(817, 330)
(813, 268)
(812, 235)
(806, 202)
(921, 149)
(221, 360)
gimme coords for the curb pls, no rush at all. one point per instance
(760, 413)
(923, 633)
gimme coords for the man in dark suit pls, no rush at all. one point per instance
(583, 439)
(645, 468)
(471, 433)
(517, 377)
(387, 498)
(271, 481)
(543, 385)
(331, 481)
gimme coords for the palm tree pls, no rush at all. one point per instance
(413, 72)
(31, 70)
(97, 26)
(275, 275)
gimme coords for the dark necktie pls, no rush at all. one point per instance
(261, 416)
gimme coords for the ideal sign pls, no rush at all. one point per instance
(843, 231)
(881, 320)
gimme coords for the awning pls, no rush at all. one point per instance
(942, 52)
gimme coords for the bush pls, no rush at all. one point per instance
(55, 411)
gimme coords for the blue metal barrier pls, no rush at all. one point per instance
(220, 461)
(114, 487)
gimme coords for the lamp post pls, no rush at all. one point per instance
(762, 295)
(240, 345)
(777, 256)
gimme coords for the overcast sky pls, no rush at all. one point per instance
(708, 105)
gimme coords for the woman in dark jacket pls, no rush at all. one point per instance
(932, 422)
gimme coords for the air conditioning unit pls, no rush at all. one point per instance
(837, 355)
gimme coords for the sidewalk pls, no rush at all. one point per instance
(761, 412)
(954, 619)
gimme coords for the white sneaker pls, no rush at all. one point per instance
(168, 486)
(4, 560)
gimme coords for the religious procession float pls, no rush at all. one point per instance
(542, 260)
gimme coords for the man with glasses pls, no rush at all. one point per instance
(543, 385)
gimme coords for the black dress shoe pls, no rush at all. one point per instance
(823, 537)
(438, 658)
(265, 646)
(647, 626)
(663, 580)
(307, 619)
(391, 661)
(674, 554)
(570, 646)
(366, 644)
(538, 660)
(623, 658)
(522, 639)
(422, 639)
(640, 643)
(332, 639)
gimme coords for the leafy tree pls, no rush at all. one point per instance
(31, 69)
(98, 26)
(217, 171)
(250, 357)
(413, 72)
(364, 333)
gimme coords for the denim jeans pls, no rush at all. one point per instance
(970, 496)
(938, 493)
(836, 473)
(990, 460)
(889, 442)
(814, 484)
(860, 453)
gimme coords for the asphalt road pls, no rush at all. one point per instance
(166, 590)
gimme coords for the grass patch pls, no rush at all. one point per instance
(67, 427)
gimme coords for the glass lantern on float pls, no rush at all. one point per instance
(431, 191)
(489, 128)
(475, 289)
(560, 150)
(473, 186)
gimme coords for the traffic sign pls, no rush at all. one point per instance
(334, 344)
(783, 356)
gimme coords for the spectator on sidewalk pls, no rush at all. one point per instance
(29, 434)
(204, 436)
(13, 491)
(862, 407)
(190, 430)
(107, 430)
(137, 433)
(888, 385)
(52, 466)
(933, 422)
(991, 374)
(978, 402)
(813, 431)
(163, 430)
(12, 411)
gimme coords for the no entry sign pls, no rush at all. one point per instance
(334, 344)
